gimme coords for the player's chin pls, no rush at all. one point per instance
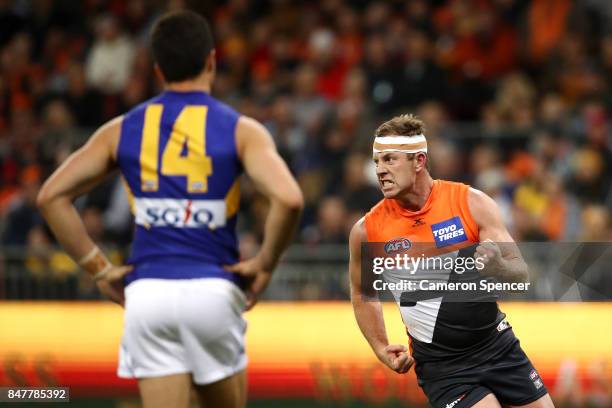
(389, 193)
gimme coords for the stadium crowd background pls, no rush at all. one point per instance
(515, 96)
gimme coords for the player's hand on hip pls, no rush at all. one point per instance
(255, 275)
(248, 269)
(396, 357)
(259, 284)
(111, 284)
(490, 255)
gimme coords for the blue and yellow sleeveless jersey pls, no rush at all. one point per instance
(177, 154)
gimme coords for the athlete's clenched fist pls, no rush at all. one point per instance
(396, 357)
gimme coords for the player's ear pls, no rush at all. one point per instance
(211, 62)
(158, 72)
(420, 162)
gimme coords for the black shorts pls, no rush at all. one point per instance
(509, 376)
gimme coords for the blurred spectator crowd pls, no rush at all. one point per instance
(516, 97)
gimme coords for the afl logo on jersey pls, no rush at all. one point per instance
(397, 245)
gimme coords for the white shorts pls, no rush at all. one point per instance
(183, 326)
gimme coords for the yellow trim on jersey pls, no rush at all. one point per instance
(232, 199)
(130, 195)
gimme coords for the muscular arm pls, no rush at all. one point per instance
(84, 169)
(506, 261)
(369, 313)
(271, 177)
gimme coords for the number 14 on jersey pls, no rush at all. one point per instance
(188, 132)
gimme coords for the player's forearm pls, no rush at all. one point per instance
(513, 269)
(280, 227)
(66, 224)
(371, 322)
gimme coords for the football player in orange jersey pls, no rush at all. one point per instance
(465, 353)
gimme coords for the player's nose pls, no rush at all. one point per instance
(380, 169)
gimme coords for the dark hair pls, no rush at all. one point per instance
(181, 42)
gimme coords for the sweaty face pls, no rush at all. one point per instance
(395, 171)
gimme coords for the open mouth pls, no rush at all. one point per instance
(385, 183)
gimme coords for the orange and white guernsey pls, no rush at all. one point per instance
(445, 228)
(447, 201)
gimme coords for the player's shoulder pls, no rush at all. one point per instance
(374, 219)
(223, 108)
(480, 202)
(448, 185)
(106, 137)
(141, 107)
(250, 124)
(379, 205)
(452, 191)
(112, 126)
(358, 232)
(380, 209)
(250, 133)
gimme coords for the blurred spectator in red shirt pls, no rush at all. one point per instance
(480, 44)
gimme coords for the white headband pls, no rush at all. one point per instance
(402, 144)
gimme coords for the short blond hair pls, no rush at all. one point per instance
(402, 125)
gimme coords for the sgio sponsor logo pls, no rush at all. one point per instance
(176, 213)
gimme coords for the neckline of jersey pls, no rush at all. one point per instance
(426, 206)
(183, 93)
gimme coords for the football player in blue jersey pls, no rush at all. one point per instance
(181, 155)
